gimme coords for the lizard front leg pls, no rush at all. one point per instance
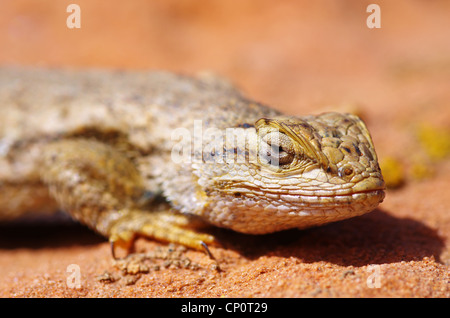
(101, 187)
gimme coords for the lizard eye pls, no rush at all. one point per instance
(284, 157)
(277, 149)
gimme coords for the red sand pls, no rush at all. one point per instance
(301, 57)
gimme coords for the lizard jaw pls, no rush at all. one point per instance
(262, 214)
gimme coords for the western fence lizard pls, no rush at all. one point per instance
(110, 147)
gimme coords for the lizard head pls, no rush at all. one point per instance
(305, 172)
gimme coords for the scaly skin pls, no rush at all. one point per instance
(124, 152)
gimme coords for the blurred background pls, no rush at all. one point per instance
(301, 57)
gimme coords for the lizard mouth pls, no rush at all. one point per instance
(368, 197)
(369, 185)
(372, 195)
(369, 188)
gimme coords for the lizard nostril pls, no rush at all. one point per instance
(345, 171)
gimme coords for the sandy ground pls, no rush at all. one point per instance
(299, 56)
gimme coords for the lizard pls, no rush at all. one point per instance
(148, 153)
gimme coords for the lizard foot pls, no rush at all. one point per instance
(163, 226)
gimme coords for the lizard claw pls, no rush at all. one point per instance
(113, 252)
(205, 247)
